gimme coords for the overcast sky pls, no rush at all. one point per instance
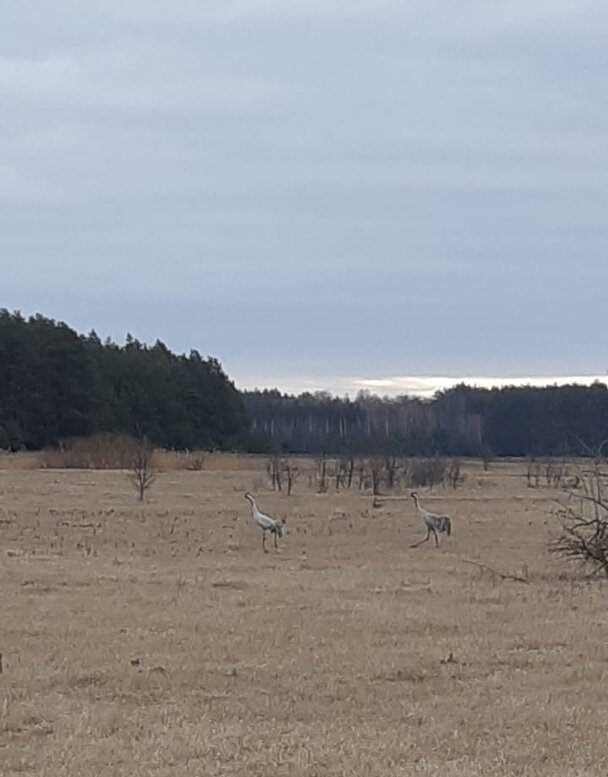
(314, 192)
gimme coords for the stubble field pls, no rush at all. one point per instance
(159, 639)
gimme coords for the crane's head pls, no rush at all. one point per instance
(414, 495)
(248, 496)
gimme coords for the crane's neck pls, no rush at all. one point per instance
(254, 508)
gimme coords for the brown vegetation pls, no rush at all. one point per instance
(157, 638)
(584, 516)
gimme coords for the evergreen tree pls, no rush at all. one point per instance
(56, 384)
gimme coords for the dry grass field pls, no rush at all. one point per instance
(158, 639)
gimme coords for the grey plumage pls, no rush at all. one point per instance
(265, 522)
(435, 524)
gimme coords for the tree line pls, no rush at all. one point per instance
(56, 384)
(462, 421)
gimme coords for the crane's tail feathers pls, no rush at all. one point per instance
(277, 528)
(447, 525)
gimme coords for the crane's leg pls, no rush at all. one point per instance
(276, 544)
(264, 541)
(436, 538)
(426, 539)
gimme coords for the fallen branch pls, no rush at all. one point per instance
(495, 573)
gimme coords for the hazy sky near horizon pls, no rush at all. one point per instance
(312, 190)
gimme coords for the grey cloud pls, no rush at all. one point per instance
(312, 184)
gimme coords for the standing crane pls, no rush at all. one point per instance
(435, 524)
(266, 523)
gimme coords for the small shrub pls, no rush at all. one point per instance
(143, 473)
(486, 457)
(195, 461)
(533, 472)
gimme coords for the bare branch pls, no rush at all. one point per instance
(584, 535)
(495, 573)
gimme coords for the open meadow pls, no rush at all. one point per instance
(158, 638)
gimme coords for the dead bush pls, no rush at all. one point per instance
(454, 473)
(425, 472)
(556, 472)
(584, 521)
(321, 474)
(282, 471)
(195, 461)
(533, 473)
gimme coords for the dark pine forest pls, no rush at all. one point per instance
(56, 384)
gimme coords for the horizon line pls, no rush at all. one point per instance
(422, 386)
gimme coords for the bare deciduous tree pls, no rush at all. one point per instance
(361, 473)
(376, 466)
(350, 470)
(455, 476)
(486, 457)
(282, 472)
(321, 474)
(391, 469)
(143, 472)
(273, 468)
(291, 474)
(339, 474)
(533, 473)
(344, 470)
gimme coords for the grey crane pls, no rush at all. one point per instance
(435, 524)
(266, 523)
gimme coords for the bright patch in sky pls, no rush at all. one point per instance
(412, 385)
